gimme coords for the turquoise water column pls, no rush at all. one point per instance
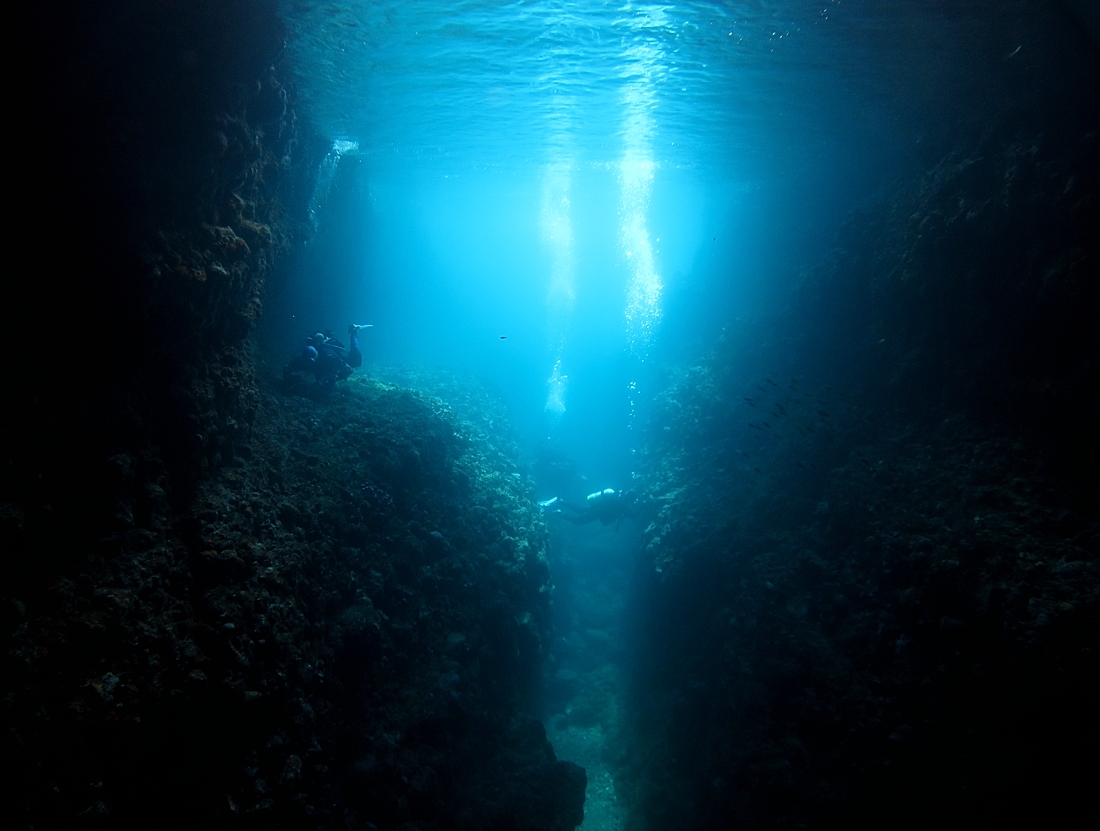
(326, 173)
(557, 235)
(636, 171)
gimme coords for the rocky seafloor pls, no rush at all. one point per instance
(345, 630)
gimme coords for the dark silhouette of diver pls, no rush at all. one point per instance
(325, 360)
(607, 506)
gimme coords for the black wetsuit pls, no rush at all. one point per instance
(607, 506)
(334, 362)
(326, 359)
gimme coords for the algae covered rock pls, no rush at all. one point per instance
(867, 595)
(399, 579)
(347, 625)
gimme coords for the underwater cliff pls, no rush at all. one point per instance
(860, 588)
(225, 606)
(869, 594)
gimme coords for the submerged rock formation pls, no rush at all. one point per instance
(225, 606)
(345, 627)
(869, 596)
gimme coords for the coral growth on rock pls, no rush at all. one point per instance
(348, 626)
(869, 591)
(224, 606)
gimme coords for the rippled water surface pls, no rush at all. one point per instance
(500, 83)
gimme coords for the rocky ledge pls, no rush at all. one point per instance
(345, 631)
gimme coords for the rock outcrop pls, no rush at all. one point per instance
(869, 590)
(224, 605)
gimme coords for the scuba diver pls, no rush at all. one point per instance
(325, 360)
(607, 506)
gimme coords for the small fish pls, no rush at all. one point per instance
(766, 424)
(758, 470)
(504, 337)
(754, 426)
(801, 465)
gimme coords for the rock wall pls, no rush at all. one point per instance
(225, 606)
(171, 171)
(973, 288)
(869, 589)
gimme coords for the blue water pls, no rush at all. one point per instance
(557, 195)
(564, 199)
(725, 88)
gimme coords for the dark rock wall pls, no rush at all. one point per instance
(868, 597)
(168, 170)
(165, 165)
(224, 606)
(974, 288)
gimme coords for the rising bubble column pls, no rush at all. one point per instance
(557, 235)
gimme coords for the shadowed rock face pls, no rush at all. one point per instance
(351, 619)
(171, 149)
(869, 590)
(226, 606)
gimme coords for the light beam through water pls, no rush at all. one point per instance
(557, 235)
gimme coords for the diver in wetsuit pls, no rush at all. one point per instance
(325, 359)
(607, 506)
